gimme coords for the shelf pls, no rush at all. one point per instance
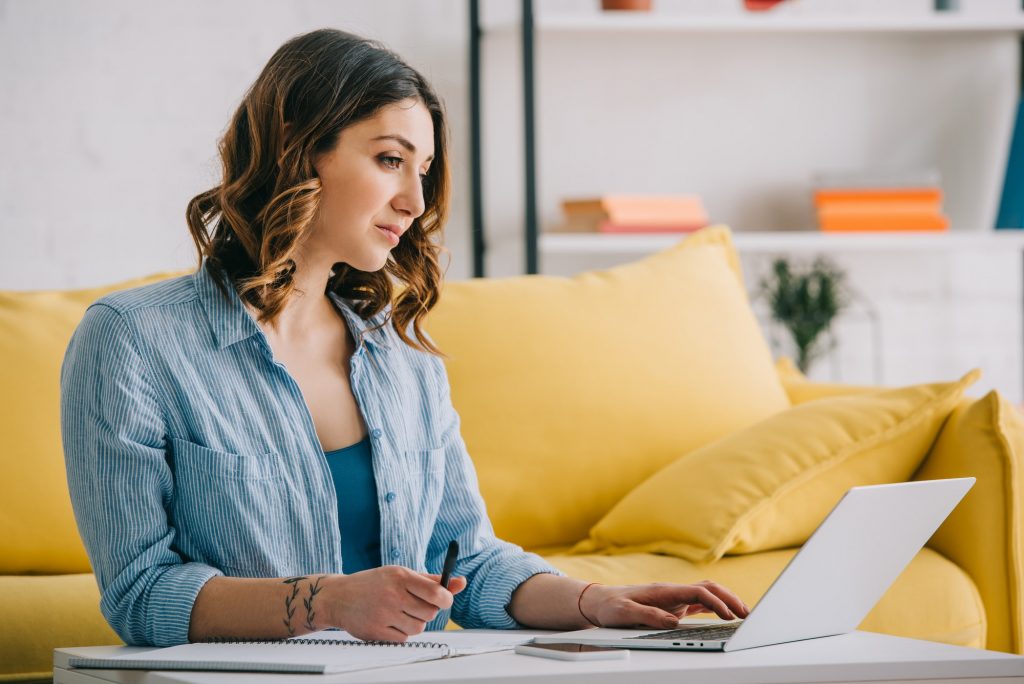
(793, 241)
(645, 22)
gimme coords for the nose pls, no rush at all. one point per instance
(409, 200)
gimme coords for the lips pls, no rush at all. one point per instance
(392, 232)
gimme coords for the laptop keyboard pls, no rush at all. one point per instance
(712, 633)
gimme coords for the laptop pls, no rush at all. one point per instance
(829, 586)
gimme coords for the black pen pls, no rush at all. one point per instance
(449, 563)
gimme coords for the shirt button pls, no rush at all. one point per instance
(390, 497)
(395, 553)
(376, 433)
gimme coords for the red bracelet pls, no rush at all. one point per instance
(579, 604)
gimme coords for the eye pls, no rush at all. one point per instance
(391, 162)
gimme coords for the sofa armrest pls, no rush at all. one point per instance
(984, 438)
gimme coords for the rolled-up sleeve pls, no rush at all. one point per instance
(493, 568)
(121, 485)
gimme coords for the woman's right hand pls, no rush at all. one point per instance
(390, 603)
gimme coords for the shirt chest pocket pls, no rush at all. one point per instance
(229, 509)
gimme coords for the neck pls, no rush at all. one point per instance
(308, 307)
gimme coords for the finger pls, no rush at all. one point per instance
(408, 625)
(649, 616)
(687, 609)
(390, 634)
(427, 588)
(455, 584)
(730, 599)
(704, 596)
(420, 609)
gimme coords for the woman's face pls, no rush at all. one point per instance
(372, 186)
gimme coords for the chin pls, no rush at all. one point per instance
(370, 263)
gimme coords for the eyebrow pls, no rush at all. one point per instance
(401, 141)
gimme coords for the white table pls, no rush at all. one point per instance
(855, 657)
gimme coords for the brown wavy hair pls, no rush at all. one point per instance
(248, 228)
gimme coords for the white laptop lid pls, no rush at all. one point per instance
(856, 553)
(839, 574)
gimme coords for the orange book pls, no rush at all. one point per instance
(829, 195)
(881, 224)
(877, 216)
(627, 202)
(878, 208)
(657, 210)
(639, 228)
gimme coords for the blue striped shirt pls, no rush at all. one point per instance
(191, 453)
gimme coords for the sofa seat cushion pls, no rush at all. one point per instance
(574, 390)
(42, 612)
(933, 599)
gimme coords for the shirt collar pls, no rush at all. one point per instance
(363, 330)
(230, 322)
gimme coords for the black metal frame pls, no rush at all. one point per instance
(475, 157)
(478, 233)
(530, 157)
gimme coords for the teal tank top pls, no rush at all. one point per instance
(358, 511)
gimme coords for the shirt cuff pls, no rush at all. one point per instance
(498, 587)
(171, 600)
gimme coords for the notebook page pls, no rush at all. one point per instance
(460, 642)
(270, 657)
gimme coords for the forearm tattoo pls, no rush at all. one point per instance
(289, 607)
(308, 602)
(314, 589)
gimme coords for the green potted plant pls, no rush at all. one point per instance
(805, 301)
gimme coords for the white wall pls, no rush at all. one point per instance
(110, 111)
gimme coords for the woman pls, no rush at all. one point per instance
(267, 447)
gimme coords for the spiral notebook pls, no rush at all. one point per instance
(325, 652)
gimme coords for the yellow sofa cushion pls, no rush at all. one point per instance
(769, 486)
(801, 390)
(43, 613)
(37, 526)
(984, 535)
(932, 599)
(573, 390)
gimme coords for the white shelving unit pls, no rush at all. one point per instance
(780, 23)
(794, 241)
(661, 23)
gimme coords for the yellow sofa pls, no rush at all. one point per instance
(575, 393)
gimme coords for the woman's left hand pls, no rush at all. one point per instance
(658, 605)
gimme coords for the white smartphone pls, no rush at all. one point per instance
(572, 651)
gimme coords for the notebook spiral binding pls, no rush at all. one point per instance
(323, 642)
